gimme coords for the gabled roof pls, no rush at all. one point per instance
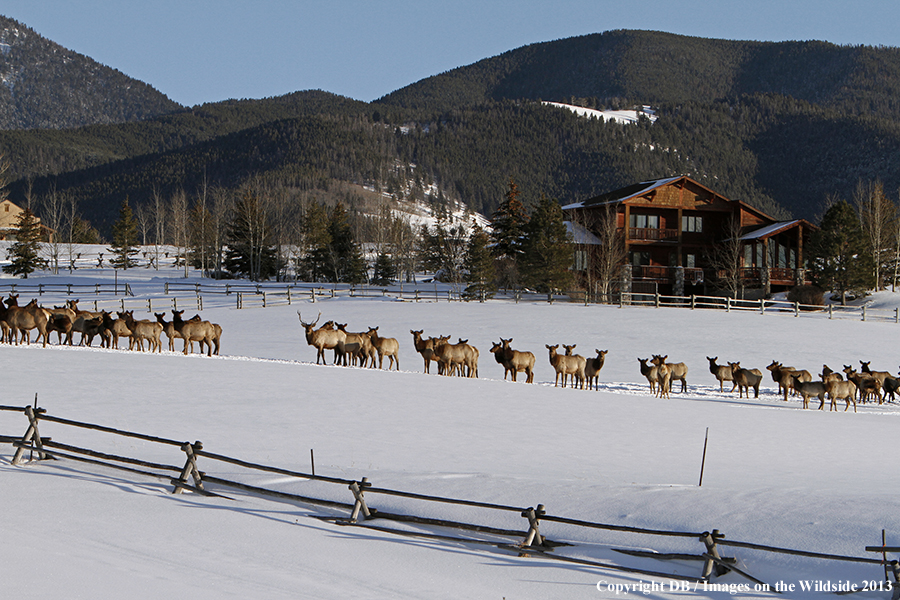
(581, 235)
(775, 228)
(625, 193)
(639, 189)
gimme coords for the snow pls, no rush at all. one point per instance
(774, 474)
(624, 117)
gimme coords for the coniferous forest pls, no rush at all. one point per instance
(787, 127)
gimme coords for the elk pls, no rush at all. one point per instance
(828, 375)
(24, 319)
(168, 329)
(61, 323)
(114, 329)
(567, 364)
(649, 372)
(841, 390)
(865, 383)
(424, 347)
(890, 387)
(79, 318)
(323, 339)
(592, 368)
(809, 388)
(193, 331)
(678, 372)
(663, 375)
(389, 347)
(358, 346)
(92, 328)
(782, 376)
(720, 372)
(451, 358)
(879, 375)
(144, 330)
(514, 361)
(744, 379)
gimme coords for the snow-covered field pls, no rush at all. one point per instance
(775, 474)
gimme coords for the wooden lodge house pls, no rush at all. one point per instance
(671, 229)
(9, 219)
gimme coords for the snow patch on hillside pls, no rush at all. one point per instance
(617, 116)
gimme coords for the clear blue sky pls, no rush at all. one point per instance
(197, 51)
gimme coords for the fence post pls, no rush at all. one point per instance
(417, 294)
(897, 315)
(264, 299)
(357, 489)
(167, 288)
(149, 305)
(863, 312)
(199, 302)
(70, 289)
(830, 310)
(190, 467)
(657, 299)
(312, 295)
(534, 535)
(31, 435)
(709, 539)
(550, 297)
(762, 306)
(728, 304)
(40, 289)
(122, 302)
(693, 301)
(238, 296)
(797, 308)
(289, 295)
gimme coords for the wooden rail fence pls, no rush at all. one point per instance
(189, 477)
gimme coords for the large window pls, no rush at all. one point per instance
(692, 224)
(644, 221)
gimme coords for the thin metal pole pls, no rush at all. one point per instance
(312, 461)
(703, 462)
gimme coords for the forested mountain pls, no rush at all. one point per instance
(782, 126)
(43, 85)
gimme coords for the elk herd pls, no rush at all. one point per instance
(574, 370)
(17, 322)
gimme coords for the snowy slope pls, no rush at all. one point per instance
(775, 474)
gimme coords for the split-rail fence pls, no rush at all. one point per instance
(531, 541)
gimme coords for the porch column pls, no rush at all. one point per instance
(766, 278)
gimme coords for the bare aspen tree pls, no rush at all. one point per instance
(602, 261)
(727, 258)
(179, 214)
(877, 217)
(144, 220)
(53, 213)
(158, 209)
(70, 209)
(221, 208)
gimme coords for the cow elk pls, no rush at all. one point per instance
(592, 369)
(567, 364)
(513, 361)
(809, 389)
(648, 371)
(721, 372)
(389, 347)
(744, 379)
(663, 375)
(424, 347)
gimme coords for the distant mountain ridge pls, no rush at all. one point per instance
(782, 126)
(664, 68)
(43, 85)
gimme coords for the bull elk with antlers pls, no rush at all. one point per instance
(323, 338)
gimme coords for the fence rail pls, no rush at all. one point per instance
(535, 543)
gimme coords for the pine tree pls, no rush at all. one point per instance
(548, 252)
(507, 234)
(250, 251)
(24, 253)
(840, 259)
(479, 266)
(384, 273)
(125, 238)
(337, 257)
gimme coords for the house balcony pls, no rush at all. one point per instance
(647, 234)
(665, 275)
(753, 277)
